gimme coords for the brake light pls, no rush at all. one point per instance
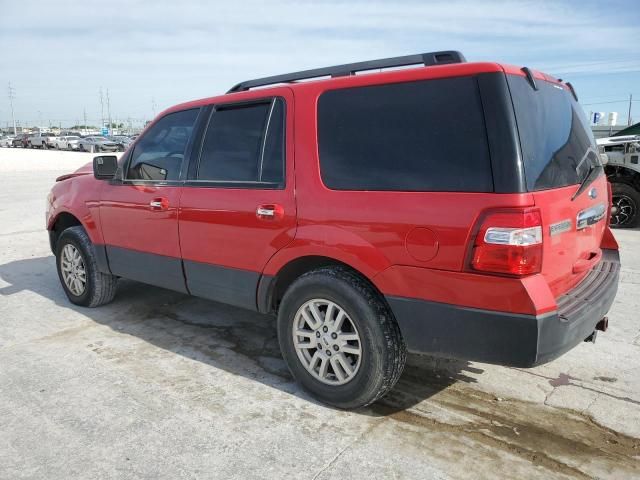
(509, 242)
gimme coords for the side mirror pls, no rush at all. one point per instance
(105, 167)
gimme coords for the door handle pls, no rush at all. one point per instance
(270, 211)
(159, 203)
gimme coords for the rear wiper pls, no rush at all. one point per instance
(592, 174)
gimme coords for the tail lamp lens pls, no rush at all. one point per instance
(509, 243)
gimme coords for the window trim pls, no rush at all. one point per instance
(192, 177)
(185, 159)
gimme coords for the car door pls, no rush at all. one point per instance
(238, 207)
(139, 213)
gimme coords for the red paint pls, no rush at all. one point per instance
(408, 244)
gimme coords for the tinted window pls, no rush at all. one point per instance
(159, 153)
(418, 136)
(555, 137)
(244, 144)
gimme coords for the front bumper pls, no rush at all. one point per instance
(505, 338)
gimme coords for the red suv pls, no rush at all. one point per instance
(456, 209)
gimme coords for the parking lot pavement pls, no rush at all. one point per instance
(160, 385)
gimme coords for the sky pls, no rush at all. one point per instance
(152, 54)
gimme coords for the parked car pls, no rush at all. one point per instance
(42, 140)
(6, 141)
(21, 140)
(97, 144)
(623, 171)
(68, 142)
(122, 140)
(401, 227)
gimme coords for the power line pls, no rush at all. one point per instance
(612, 101)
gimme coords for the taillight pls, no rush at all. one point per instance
(509, 242)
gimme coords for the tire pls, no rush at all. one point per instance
(99, 288)
(383, 351)
(81, 148)
(626, 200)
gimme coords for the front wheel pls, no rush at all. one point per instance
(78, 271)
(625, 206)
(339, 338)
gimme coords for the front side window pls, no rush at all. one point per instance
(159, 153)
(245, 144)
(417, 136)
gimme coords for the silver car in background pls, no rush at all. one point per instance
(6, 141)
(97, 143)
(67, 142)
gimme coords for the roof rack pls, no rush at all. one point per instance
(426, 59)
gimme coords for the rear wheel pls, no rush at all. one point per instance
(625, 206)
(339, 338)
(78, 271)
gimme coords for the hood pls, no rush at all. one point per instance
(84, 170)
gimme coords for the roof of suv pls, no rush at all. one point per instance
(426, 65)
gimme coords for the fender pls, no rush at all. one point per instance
(70, 196)
(338, 244)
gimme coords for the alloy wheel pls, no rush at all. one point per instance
(327, 342)
(623, 211)
(73, 270)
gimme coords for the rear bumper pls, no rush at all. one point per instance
(506, 338)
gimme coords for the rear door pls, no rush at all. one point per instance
(558, 151)
(238, 207)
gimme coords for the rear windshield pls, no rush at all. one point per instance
(417, 136)
(556, 141)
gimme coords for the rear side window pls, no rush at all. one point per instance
(245, 144)
(419, 136)
(556, 140)
(159, 153)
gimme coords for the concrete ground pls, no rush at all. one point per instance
(161, 385)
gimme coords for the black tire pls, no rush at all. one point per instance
(81, 148)
(383, 349)
(100, 287)
(626, 199)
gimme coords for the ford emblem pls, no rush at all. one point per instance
(593, 193)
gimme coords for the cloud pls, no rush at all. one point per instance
(60, 53)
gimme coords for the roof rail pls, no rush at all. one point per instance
(426, 59)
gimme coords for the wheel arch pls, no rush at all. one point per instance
(623, 174)
(271, 288)
(60, 223)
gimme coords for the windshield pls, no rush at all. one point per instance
(558, 147)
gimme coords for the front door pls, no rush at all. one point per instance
(139, 214)
(237, 208)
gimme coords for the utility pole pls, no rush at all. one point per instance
(109, 112)
(11, 97)
(84, 111)
(153, 107)
(629, 115)
(101, 109)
